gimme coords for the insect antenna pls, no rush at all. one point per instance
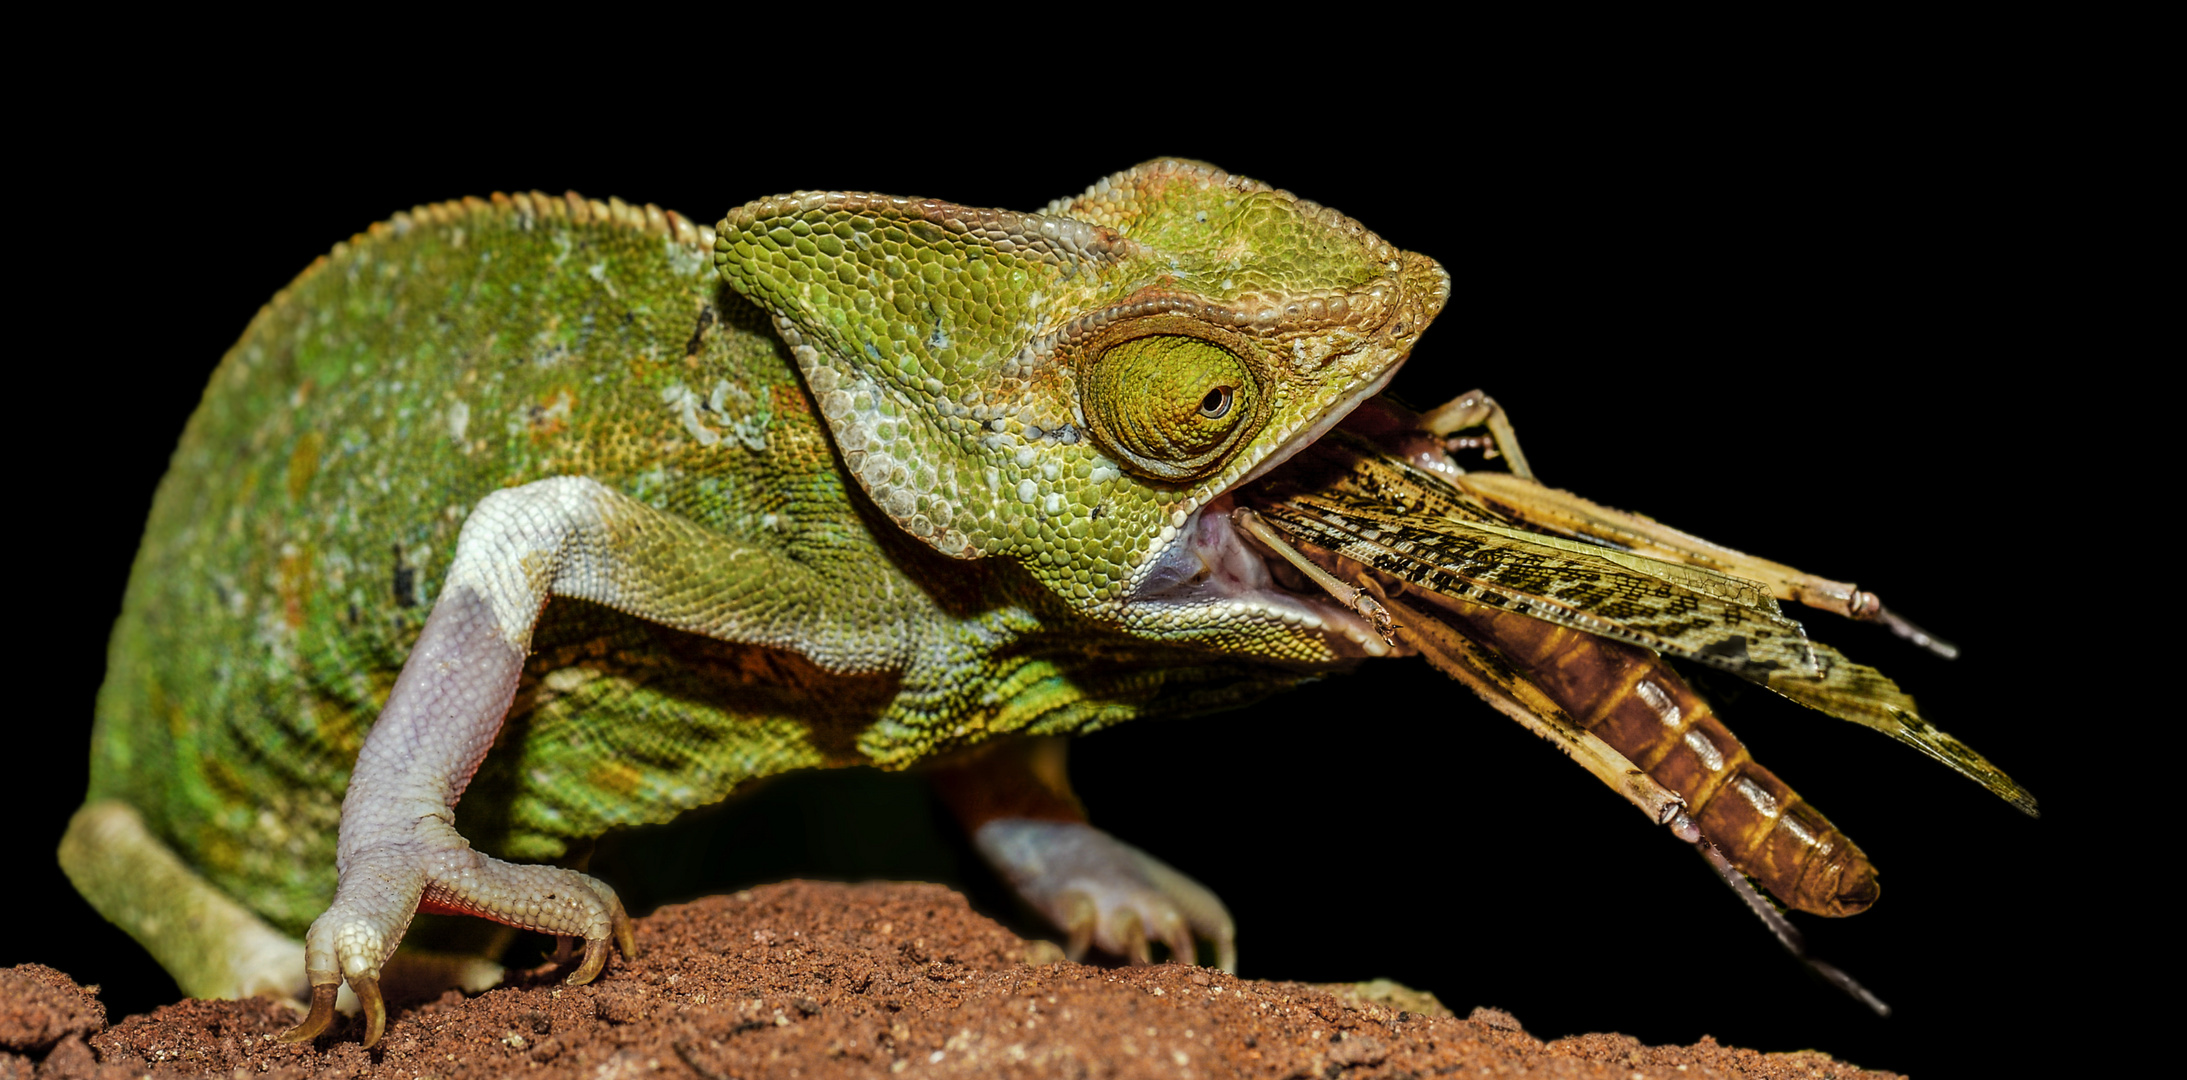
(1869, 609)
(1788, 935)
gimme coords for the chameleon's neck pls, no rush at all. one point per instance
(1026, 665)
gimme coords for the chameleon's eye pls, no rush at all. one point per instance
(1172, 406)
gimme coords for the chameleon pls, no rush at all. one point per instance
(513, 521)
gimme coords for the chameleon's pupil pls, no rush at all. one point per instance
(1216, 403)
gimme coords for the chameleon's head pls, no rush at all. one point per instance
(1081, 389)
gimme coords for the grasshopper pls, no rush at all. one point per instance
(1561, 613)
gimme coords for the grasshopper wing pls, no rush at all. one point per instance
(1676, 610)
(1449, 545)
(1863, 695)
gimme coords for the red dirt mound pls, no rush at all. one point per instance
(818, 980)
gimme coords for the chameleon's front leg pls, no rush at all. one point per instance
(399, 852)
(1016, 801)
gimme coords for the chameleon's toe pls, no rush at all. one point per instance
(316, 1021)
(596, 948)
(1131, 928)
(1123, 937)
(1179, 940)
(1075, 914)
(547, 899)
(1226, 949)
(1103, 892)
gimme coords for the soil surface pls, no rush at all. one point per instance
(809, 979)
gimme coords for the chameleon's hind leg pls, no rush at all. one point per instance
(1015, 799)
(213, 946)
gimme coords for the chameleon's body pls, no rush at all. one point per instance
(313, 507)
(991, 578)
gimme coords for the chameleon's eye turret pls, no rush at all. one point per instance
(1171, 398)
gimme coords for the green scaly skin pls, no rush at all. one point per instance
(998, 568)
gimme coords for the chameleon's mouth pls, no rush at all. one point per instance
(1212, 563)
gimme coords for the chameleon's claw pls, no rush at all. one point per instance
(315, 1022)
(1127, 929)
(596, 950)
(1179, 940)
(626, 937)
(371, 1004)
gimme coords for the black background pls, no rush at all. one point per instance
(1809, 312)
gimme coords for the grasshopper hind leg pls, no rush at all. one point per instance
(1568, 515)
(1471, 409)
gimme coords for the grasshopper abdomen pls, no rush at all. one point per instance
(1635, 701)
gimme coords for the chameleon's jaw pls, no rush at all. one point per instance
(1329, 419)
(1213, 566)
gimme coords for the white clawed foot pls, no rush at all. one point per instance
(381, 889)
(1103, 892)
